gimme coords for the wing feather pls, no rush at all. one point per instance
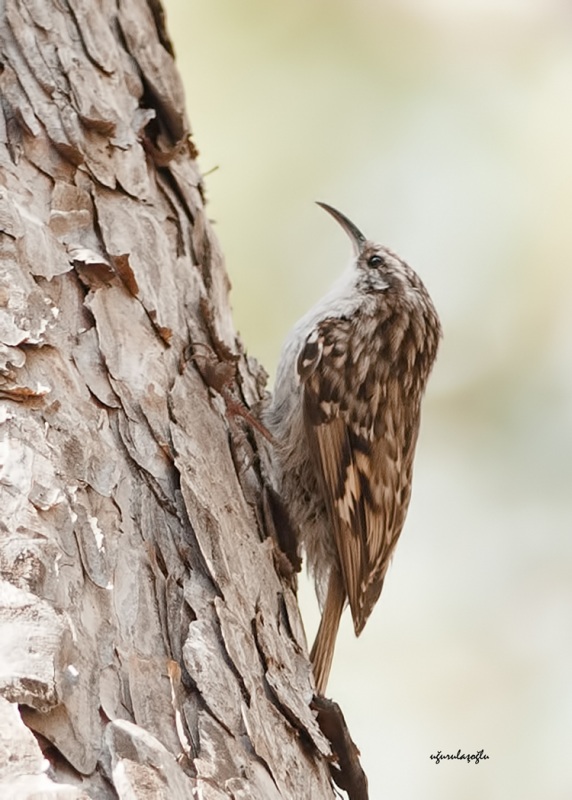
(362, 450)
(359, 471)
(342, 492)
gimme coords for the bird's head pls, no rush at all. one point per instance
(378, 268)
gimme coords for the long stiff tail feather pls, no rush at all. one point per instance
(325, 641)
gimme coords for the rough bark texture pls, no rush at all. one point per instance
(148, 646)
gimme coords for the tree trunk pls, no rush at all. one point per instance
(149, 646)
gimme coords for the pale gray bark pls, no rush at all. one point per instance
(148, 646)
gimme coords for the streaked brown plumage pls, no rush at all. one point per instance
(345, 415)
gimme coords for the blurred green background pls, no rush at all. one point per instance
(442, 128)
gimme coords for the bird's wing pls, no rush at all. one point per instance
(357, 454)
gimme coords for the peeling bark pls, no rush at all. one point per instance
(149, 647)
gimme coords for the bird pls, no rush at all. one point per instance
(344, 417)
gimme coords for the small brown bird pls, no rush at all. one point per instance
(345, 417)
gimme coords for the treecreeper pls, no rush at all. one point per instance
(345, 418)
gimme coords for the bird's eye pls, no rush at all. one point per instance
(375, 261)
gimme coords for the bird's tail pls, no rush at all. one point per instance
(325, 641)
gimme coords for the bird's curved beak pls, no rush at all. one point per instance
(357, 237)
